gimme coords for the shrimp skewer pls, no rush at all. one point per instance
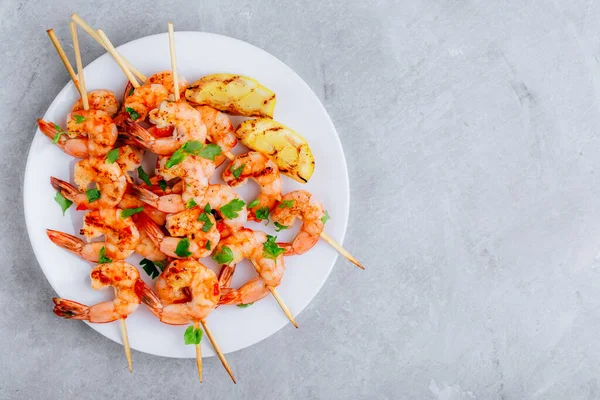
(187, 292)
(124, 278)
(267, 259)
(299, 204)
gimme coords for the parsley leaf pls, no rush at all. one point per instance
(287, 203)
(262, 213)
(62, 202)
(223, 256)
(237, 172)
(245, 305)
(253, 203)
(131, 91)
(230, 209)
(144, 176)
(162, 183)
(192, 147)
(132, 113)
(92, 195)
(210, 151)
(152, 267)
(78, 118)
(207, 245)
(279, 227)
(191, 203)
(207, 208)
(182, 249)
(59, 132)
(193, 335)
(177, 157)
(207, 222)
(112, 156)
(103, 259)
(271, 249)
(325, 217)
(128, 212)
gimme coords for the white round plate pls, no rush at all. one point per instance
(198, 54)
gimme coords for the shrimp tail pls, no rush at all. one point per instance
(47, 128)
(225, 275)
(70, 309)
(151, 229)
(66, 241)
(138, 133)
(289, 248)
(144, 195)
(147, 296)
(69, 191)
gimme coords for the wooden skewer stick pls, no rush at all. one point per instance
(217, 349)
(173, 61)
(111, 49)
(229, 155)
(341, 250)
(198, 355)
(63, 57)
(125, 338)
(84, 25)
(286, 310)
(82, 88)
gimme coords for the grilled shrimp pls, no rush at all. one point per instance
(187, 292)
(249, 244)
(165, 78)
(221, 198)
(265, 172)
(99, 128)
(102, 99)
(142, 100)
(298, 204)
(124, 278)
(219, 130)
(184, 224)
(121, 236)
(181, 116)
(195, 171)
(73, 145)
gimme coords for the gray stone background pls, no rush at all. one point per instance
(470, 130)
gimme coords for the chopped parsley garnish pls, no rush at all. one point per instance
(59, 132)
(325, 217)
(152, 267)
(230, 210)
(279, 227)
(207, 245)
(182, 249)
(223, 256)
(210, 151)
(131, 91)
(195, 148)
(128, 212)
(163, 184)
(271, 249)
(207, 208)
(78, 118)
(245, 305)
(287, 203)
(132, 113)
(92, 195)
(263, 213)
(62, 202)
(103, 259)
(237, 172)
(207, 222)
(144, 177)
(193, 335)
(191, 203)
(112, 156)
(253, 203)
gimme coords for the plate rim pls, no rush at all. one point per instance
(70, 86)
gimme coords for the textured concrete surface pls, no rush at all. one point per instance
(471, 134)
